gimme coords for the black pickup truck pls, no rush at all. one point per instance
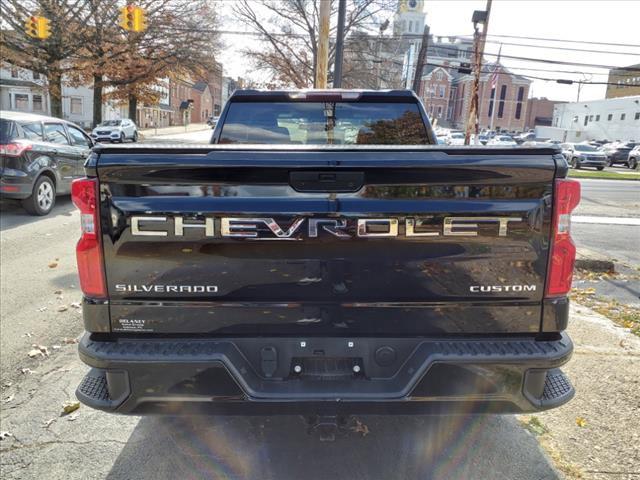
(324, 256)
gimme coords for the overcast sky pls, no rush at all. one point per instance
(597, 21)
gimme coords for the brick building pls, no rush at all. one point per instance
(510, 100)
(540, 112)
(626, 82)
(181, 100)
(215, 81)
(436, 93)
(202, 105)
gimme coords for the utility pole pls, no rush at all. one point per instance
(479, 16)
(422, 60)
(322, 65)
(337, 70)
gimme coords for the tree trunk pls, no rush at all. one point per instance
(55, 93)
(133, 107)
(97, 100)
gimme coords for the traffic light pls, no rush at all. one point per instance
(133, 18)
(38, 27)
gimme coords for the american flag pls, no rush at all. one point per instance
(496, 68)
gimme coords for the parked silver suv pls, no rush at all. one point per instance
(115, 131)
(583, 155)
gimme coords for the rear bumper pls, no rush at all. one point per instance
(15, 184)
(594, 163)
(257, 376)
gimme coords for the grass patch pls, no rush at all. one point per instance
(534, 425)
(603, 175)
(623, 315)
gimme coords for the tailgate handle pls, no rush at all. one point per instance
(326, 181)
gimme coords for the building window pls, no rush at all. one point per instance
(519, 104)
(21, 102)
(14, 72)
(38, 105)
(623, 116)
(503, 95)
(597, 118)
(75, 106)
(36, 75)
(439, 111)
(591, 118)
(610, 117)
(441, 90)
(637, 117)
(493, 94)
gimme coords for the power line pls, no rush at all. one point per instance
(568, 41)
(567, 49)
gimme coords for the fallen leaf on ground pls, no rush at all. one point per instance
(44, 350)
(73, 416)
(68, 407)
(70, 340)
(4, 435)
(75, 305)
(33, 353)
(53, 264)
(63, 308)
(25, 371)
(56, 347)
(42, 309)
(7, 384)
(581, 422)
(57, 292)
(8, 399)
(48, 423)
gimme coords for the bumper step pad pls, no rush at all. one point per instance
(556, 386)
(94, 389)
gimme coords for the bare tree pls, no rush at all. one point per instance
(289, 34)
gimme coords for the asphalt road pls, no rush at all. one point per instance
(608, 200)
(38, 287)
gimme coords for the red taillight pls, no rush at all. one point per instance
(566, 197)
(14, 149)
(84, 193)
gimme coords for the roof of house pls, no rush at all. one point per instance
(200, 86)
(14, 82)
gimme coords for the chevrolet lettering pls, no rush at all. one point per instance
(270, 229)
(324, 257)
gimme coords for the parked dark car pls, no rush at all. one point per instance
(39, 156)
(580, 155)
(618, 153)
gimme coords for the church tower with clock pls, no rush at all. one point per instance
(409, 18)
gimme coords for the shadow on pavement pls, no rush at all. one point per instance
(396, 447)
(12, 214)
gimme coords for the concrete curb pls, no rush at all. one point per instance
(587, 259)
(150, 132)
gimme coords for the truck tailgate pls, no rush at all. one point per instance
(327, 241)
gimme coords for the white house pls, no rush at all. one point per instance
(26, 91)
(611, 119)
(22, 90)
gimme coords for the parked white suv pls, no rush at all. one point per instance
(115, 131)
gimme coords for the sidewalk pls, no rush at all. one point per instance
(157, 132)
(596, 436)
